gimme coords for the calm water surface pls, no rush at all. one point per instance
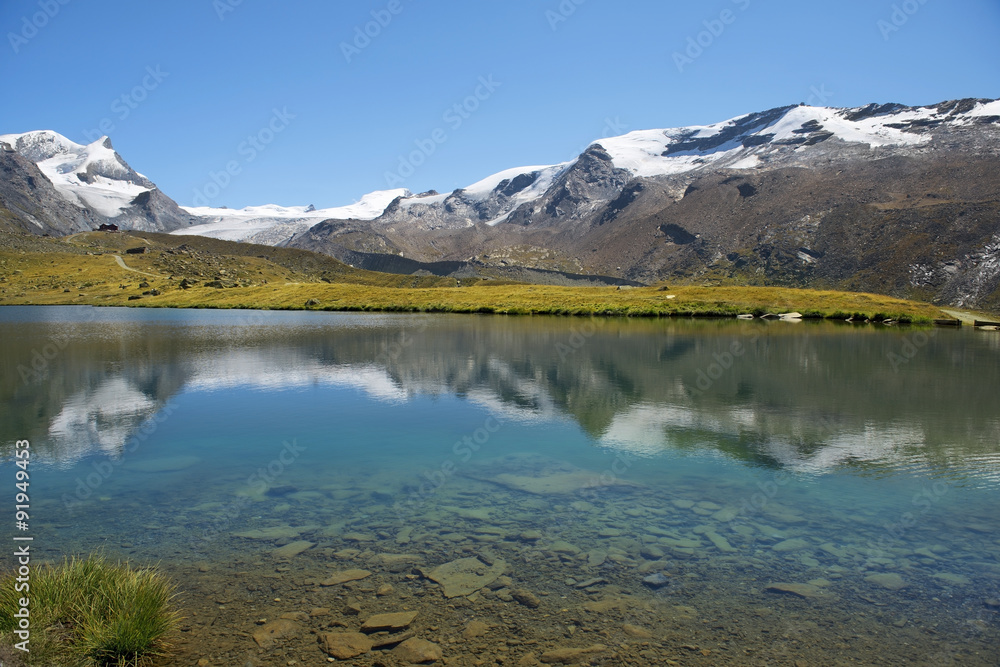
(703, 492)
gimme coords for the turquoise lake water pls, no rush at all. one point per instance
(767, 492)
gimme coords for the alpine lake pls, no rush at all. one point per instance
(521, 490)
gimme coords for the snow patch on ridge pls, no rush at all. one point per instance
(242, 224)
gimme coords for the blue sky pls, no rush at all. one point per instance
(188, 88)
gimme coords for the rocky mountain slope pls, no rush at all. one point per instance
(893, 199)
(885, 198)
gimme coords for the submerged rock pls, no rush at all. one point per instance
(571, 656)
(345, 645)
(797, 590)
(636, 631)
(346, 576)
(890, 581)
(952, 579)
(658, 580)
(794, 544)
(275, 532)
(293, 549)
(465, 576)
(269, 633)
(394, 621)
(526, 597)
(418, 651)
(475, 629)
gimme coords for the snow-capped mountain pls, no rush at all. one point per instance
(94, 180)
(795, 195)
(769, 139)
(92, 176)
(885, 198)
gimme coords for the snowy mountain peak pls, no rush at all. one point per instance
(92, 176)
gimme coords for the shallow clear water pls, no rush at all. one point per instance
(861, 465)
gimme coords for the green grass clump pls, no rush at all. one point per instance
(92, 612)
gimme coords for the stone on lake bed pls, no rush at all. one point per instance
(293, 549)
(275, 532)
(890, 581)
(465, 576)
(636, 631)
(271, 632)
(555, 484)
(571, 656)
(358, 537)
(726, 514)
(721, 543)
(797, 590)
(167, 464)
(418, 651)
(658, 580)
(952, 579)
(345, 645)
(346, 576)
(475, 629)
(478, 514)
(683, 543)
(526, 597)
(394, 621)
(794, 544)
(564, 547)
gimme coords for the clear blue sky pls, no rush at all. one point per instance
(564, 71)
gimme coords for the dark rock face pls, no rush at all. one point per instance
(29, 202)
(587, 186)
(737, 130)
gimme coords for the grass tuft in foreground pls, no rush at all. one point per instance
(91, 612)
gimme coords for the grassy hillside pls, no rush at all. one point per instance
(194, 272)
